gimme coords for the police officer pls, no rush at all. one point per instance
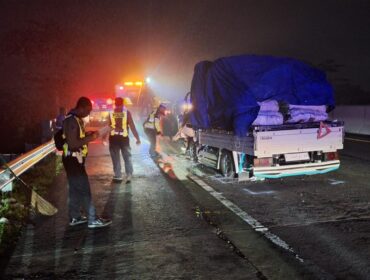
(119, 142)
(152, 128)
(74, 157)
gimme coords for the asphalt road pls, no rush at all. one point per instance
(156, 232)
(179, 220)
(324, 219)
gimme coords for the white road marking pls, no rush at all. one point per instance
(255, 224)
(258, 193)
(357, 140)
(336, 182)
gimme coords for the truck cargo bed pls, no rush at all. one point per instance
(267, 141)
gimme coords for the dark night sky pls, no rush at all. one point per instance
(164, 39)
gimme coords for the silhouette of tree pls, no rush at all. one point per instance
(42, 65)
(345, 92)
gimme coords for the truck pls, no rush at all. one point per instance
(99, 115)
(229, 134)
(140, 94)
(135, 93)
(271, 151)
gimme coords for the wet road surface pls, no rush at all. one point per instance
(325, 219)
(168, 225)
(155, 234)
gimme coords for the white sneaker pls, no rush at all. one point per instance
(117, 178)
(99, 223)
(78, 221)
(128, 178)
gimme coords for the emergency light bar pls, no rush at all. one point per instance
(137, 83)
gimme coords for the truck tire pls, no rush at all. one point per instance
(227, 165)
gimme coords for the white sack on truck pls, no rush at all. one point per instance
(269, 105)
(269, 114)
(269, 118)
(304, 114)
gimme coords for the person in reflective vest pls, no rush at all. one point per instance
(152, 128)
(119, 142)
(75, 151)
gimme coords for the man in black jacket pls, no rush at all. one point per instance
(74, 157)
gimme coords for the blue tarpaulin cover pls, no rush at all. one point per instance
(224, 93)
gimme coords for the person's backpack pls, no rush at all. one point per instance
(59, 140)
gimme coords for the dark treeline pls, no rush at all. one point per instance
(346, 93)
(39, 73)
(40, 69)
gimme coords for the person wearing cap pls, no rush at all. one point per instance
(121, 123)
(152, 128)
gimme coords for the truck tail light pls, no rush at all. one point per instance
(331, 156)
(259, 162)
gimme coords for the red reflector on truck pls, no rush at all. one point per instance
(331, 156)
(262, 162)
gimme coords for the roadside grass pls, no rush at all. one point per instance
(15, 208)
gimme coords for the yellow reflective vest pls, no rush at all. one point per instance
(84, 150)
(153, 122)
(118, 121)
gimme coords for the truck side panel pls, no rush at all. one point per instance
(227, 141)
(269, 143)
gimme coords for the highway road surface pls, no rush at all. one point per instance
(181, 220)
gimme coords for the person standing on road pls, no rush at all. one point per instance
(119, 142)
(152, 128)
(74, 156)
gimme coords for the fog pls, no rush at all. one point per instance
(52, 51)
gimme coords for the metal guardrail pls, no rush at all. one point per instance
(25, 162)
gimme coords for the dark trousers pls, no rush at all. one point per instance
(79, 189)
(119, 144)
(152, 137)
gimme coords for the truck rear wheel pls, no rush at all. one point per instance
(227, 165)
